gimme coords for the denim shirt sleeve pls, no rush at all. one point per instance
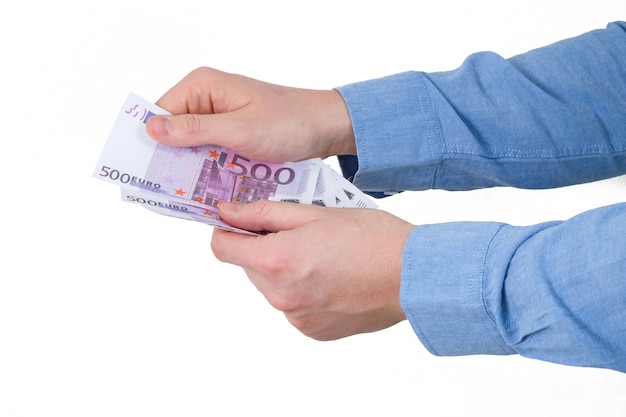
(551, 117)
(554, 291)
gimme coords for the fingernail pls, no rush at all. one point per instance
(229, 208)
(160, 125)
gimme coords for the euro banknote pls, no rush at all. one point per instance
(190, 183)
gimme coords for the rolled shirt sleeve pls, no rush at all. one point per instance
(554, 291)
(554, 116)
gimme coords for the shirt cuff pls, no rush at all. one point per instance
(397, 133)
(442, 289)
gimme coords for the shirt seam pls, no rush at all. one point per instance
(501, 343)
(435, 121)
(568, 152)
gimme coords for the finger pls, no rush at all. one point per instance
(176, 101)
(186, 130)
(271, 216)
(193, 93)
(238, 249)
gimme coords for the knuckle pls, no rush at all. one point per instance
(279, 267)
(217, 246)
(310, 326)
(191, 124)
(200, 72)
(300, 323)
(286, 303)
(260, 208)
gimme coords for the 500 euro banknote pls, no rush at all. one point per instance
(203, 177)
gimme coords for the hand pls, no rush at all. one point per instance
(333, 272)
(259, 120)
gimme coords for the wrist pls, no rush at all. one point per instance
(335, 125)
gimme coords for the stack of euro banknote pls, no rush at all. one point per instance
(191, 183)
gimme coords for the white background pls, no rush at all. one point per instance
(109, 310)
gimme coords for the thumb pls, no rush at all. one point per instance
(186, 130)
(265, 215)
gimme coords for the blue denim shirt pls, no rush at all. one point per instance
(551, 117)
